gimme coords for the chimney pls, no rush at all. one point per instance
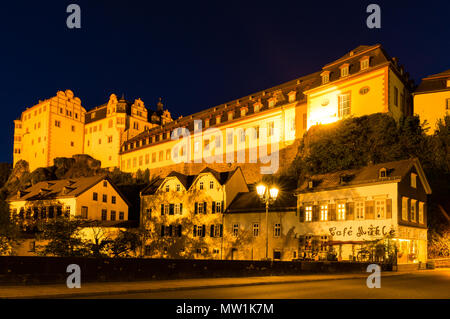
(159, 106)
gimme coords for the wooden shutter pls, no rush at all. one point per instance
(203, 231)
(181, 209)
(350, 211)
(332, 211)
(315, 213)
(205, 206)
(213, 207)
(370, 209)
(211, 233)
(196, 208)
(222, 207)
(221, 230)
(162, 231)
(389, 208)
(170, 230)
(195, 230)
(179, 231)
(171, 209)
(301, 212)
(162, 209)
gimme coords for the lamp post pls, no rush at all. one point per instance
(267, 196)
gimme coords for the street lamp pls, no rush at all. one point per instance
(267, 196)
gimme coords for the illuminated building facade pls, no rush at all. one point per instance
(432, 98)
(184, 214)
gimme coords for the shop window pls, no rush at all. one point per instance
(380, 209)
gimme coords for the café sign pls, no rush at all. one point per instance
(361, 231)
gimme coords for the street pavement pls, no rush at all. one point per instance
(417, 284)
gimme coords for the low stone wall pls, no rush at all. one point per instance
(440, 262)
(38, 270)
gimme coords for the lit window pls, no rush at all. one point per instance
(359, 207)
(344, 71)
(271, 128)
(404, 208)
(230, 138)
(380, 208)
(413, 180)
(344, 105)
(364, 64)
(324, 212)
(325, 78)
(308, 213)
(421, 209)
(341, 212)
(413, 210)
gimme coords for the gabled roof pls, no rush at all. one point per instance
(188, 180)
(63, 188)
(396, 171)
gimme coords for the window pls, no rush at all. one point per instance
(105, 198)
(84, 212)
(166, 209)
(395, 96)
(324, 212)
(161, 155)
(113, 215)
(380, 208)
(364, 64)
(201, 185)
(211, 185)
(105, 184)
(218, 207)
(447, 104)
(73, 128)
(341, 212)
(276, 230)
(421, 204)
(359, 207)
(200, 232)
(178, 187)
(218, 141)
(230, 138)
(230, 116)
(404, 208)
(413, 210)
(344, 71)
(104, 212)
(58, 123)
(344, 105)
(72, 144)
(382, 173)
(271, 128)
(121, 215)
(235, 230)
(413, 180)
(94, 196)
(110, 139)
(308, 213)
(255, 230)
(178, 209)
(113, 199)
(325, 78)
(167, 188)
(153, 157)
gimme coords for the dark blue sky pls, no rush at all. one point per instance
(197, 54)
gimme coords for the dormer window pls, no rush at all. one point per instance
(257, 106)
(344, 69)
(230, 115)
(292, 96)
(325, 77)
(206, 122)
(382, 173)
(364, 63)
(311, 184)
(272, 102)
(218, 117)
(448, 83)
(243, 111)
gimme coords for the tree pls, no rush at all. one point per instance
(126, 242)
(9, 230)
(64, 238)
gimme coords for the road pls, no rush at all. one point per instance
(435, 285)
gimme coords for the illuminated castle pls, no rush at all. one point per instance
(127, 135)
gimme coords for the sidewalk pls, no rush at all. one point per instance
(110, 288)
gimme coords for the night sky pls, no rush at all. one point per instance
(197, 54)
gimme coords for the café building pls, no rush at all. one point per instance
(350, 214)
